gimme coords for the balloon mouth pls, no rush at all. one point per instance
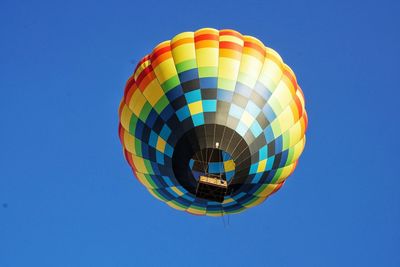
(212, 162)
(213, 151)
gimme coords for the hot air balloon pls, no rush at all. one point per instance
(212, 122)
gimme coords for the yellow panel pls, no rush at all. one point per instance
(276, 128)
(184, 52)
(298, 149)
(142, 178)
(165, 70)
(129, 142)
(160, 144)
(126, 115)
(139, 164)
(175, 206)
(286, 171)
(270, 71)
(247, 119)
(286, 119)
(228, 68)
(274, 104)
(207, 57)
(231, 38)
(295, 133)
(250, 65)
(258, 201)
(137, 102)
(261, 165)
(283, 95)
(229, 165)
(153, 92)
(182, 35)
(272, 53)
(195, 107)
(228, 200)
(267, 190)
(176, 190)
(194, 210)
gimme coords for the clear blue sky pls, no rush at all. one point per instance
(68, 198)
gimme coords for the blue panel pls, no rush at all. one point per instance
(167, 113)
(253, 168)
(242, 90)
(269, 113)
(153, 139)
(191, 163)
(269, 134)
(270, 176)
(256, 178)
(151, 118)
(188, 75)
(209, 105)
(270, 163)
(174, 93)
(241, 128)
(139, 130)
(255, 129)
(229, 204)
(224, 95)
(160, 157)
(172, 192)
(240, 195)
(196, 175)
(236, 111)
(188, 197)
(145, 151)
(226, 156)
(263, 153)
(165, 132)
(253, 109)
(182, 189)
(198, 119)
(278, 144)
(215, 167)
(183, 113)
(168, 150)
(168, 181)
(284, 156)
(167, 195)
(262, 91)
(229, 175)
(211, 82)
(193, 96)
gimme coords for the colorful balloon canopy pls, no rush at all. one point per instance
(218, 105)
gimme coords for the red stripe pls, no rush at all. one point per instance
(206, 36)
(230, 45)
(141, 62)
(256, 47)
(290, 76)
(159, 52)
(143, 74)
(230, 32)
(305, 121)
(298, 104)
(120, 133)
(128, 85)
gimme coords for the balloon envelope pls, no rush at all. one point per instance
(218, 105)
